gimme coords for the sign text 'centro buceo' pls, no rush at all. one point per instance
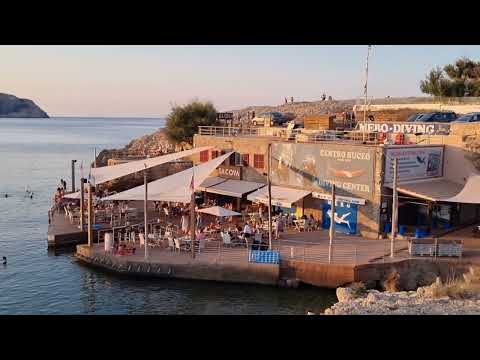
(406, 128)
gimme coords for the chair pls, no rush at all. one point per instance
(227, 240)
(171, 243)
(201, 245)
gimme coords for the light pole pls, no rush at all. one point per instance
(366, 93)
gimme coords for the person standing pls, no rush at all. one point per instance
(185, 223)
(286, 101)
(291, 99)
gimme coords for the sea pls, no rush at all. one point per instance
(34, 155)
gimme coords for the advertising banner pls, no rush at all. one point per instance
(405, 127)
(414, 163)
(230, 172)
(317, 166)
(345, 217)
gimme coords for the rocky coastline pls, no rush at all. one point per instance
(14, 107)
(450, 298)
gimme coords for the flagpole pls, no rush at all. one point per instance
(366, 94)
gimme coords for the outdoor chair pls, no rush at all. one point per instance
(171, 243)
(226, 239)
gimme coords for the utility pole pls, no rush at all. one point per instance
(73, 175)
(366, 93)
(332, 225)
(94, 157)
(145, 214)
(394, 206)
(269, 165)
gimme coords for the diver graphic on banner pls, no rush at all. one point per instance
(345, 217)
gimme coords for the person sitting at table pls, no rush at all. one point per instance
(201, 235)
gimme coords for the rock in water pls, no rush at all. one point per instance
(13, 107)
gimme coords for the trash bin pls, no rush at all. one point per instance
(387, 227)
(418, 233)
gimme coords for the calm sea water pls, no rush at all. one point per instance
(36, 154)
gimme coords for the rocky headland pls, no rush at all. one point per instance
(14, 107)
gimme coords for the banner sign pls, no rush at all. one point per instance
(405, 127)
(338, 198)
(225, 116)
(414, 163)
(345, 218)
(315, 166)
(230, 172)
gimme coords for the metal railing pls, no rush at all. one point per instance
(296, 135)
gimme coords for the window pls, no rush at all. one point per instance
(245, 159)
(214, 154)
(258, 161)
(204, 156)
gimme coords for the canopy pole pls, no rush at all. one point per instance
(394, 205)
(73, 175)
(145, 184)
(192, 215)
(90, 216)
(82, 200)
(269, 197)
(94, 157)
(332, 225)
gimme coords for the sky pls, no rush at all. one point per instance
(145, 81)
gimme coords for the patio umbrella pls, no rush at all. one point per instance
(218, 211)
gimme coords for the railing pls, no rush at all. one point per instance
(296, 135)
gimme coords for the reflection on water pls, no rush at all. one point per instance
(37, 154)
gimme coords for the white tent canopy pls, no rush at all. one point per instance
(176, 187)
(218, 211)
(75, 195)
(281, 196)
(107, 173)
(234, 188)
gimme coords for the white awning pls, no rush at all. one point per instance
(234, 188)
(470, 194)
(106, 173)
(176, 187)
(75, 195)
(281, 196)
(444, 190)
(210, 181)
(218, 211)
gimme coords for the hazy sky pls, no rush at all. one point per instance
(146, 80)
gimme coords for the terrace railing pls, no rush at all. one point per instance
(295, 135)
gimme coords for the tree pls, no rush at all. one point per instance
(455, 80)
(183, 121)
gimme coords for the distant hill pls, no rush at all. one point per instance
(14, 107)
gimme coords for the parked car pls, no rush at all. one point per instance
(442, 117)
(470, 117)
(275, 119)
(413, 117)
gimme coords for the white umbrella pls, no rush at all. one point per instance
(218, 211)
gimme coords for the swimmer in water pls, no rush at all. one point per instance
(6, 195)
(4, 260)
(31, 195)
